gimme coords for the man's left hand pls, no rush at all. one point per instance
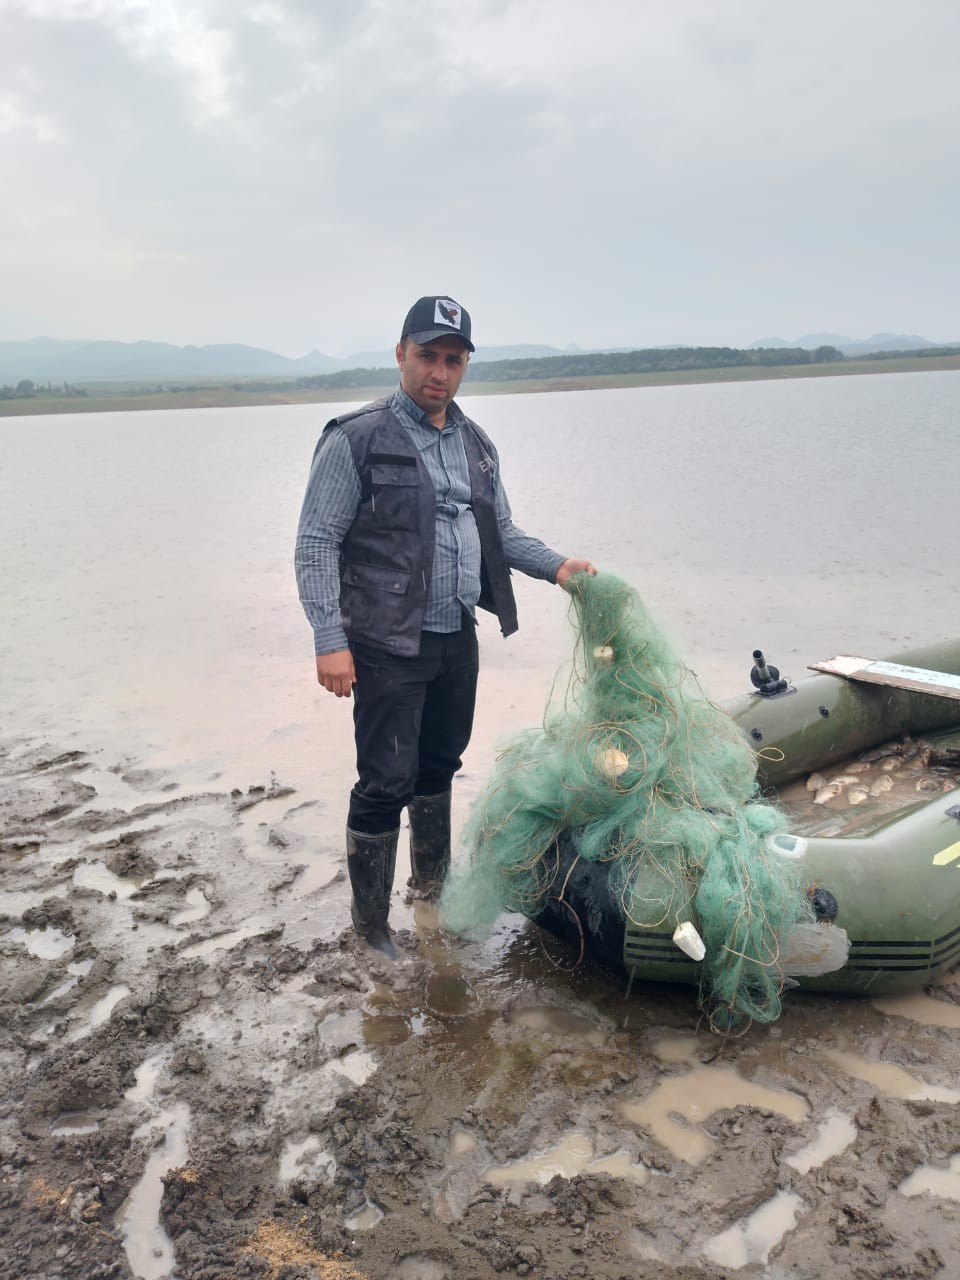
(570, 567)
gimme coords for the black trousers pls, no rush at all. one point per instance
(412, 721)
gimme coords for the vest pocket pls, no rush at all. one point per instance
(376, 576)
(394, 496)
(371, 600)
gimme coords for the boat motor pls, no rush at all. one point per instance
(766, 679)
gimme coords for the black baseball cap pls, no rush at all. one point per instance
(434, 317)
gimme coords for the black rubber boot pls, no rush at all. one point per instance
(429, 844)
(371, 861)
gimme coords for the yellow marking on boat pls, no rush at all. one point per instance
(947, 855)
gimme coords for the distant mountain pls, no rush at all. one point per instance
(77, 361)
(386, 359)
(82, 362)
(522, 351)
(313, 362)
(61, 360)
(813, 340)
(889, 342)
(852, 346)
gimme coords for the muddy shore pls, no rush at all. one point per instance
(204, 1076)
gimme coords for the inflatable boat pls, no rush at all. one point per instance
(863, 759)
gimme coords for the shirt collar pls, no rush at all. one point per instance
(406, 408)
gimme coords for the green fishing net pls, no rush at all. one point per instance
(650, 777)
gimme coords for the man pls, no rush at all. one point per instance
(405, 529)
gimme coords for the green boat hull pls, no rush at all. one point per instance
(897, 887)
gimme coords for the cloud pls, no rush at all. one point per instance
(18, 119)
(292, 173)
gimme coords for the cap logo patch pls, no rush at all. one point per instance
(447, 312)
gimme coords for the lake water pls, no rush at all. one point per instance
(150, 611)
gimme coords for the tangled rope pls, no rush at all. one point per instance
(653, 779)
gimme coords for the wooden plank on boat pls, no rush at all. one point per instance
(941, 684)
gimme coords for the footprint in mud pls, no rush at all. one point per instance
(196, 907)
(45, 942)
(752, 1239)
(139, 779)
(97, 876)
(148, 1248)
(941, 1180)
(96, 1014)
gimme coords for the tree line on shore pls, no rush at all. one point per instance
(27, 389)
(597, 363)
(618, 363)
(650, 360)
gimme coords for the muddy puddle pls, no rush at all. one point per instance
(204, 1075)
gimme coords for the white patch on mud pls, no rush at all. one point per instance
(100, 1012)
(59, 992)
(834, 1134)
(94, 875)
(357, 1066)
(46, 944)
(319, 870)
(146, 1077)
(197, 908)
(751, 1239)
(145, 1242)
(342, 1030)
(79, 969)
(14, 903)
(935, 1180)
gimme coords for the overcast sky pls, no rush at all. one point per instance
(294, 173)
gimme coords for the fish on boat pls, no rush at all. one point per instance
(880, 854)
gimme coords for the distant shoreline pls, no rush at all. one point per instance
(99, 399)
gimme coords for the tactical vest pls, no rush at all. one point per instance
(386, 557)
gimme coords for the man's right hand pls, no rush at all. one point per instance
(335, 671)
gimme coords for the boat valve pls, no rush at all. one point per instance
(825, 905)
(766, 679)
